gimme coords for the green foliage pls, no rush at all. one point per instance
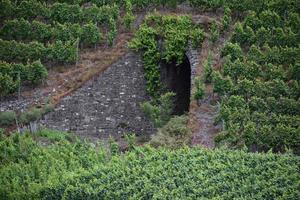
(145, 40)
(159, 112)
(7, 84)
(226, 19)
(57, 52)
(54, 136)
(113, 146)
(265, 78)
(131, 140)
(2, 134)
(244, 36)
(296, 72)
(67, 32)
(214, 32)
(175, 33)
(232, 49)
(12, 51)
(113, 31)
(174, 134)
(63, 52)
(129, 16)
(222, 85)
(200, 88)
(90, 34)
(7, 118)
(79, 171)
(22, 30)
(208, 69)
(31, 115)
(12, 74)
(30, 9)
(62, 12)
(6, 8)
(197, 37)
(18, 29)
(206, 4)
(36, 72)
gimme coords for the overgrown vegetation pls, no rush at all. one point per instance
(174, 134)
(65, 170)
(258, 82)
(200, 89)
(258, 86)
(159, 111)
(10, 118)
(33, 32)
(162, 29)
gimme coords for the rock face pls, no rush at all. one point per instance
(106, 105)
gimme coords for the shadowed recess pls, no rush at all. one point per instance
(177, 78)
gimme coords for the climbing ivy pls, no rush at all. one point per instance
(164, 38)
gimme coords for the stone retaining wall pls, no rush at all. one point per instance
(106, 105)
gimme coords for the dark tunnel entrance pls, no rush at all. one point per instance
(177, 78)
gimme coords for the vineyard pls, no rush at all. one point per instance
(33, 31)
(75, 170)
(259, 80)
(243, 59)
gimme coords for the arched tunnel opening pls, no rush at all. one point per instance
(177, 79)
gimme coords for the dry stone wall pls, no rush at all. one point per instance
(110, 103)
(106, 105)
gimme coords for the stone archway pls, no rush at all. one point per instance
(180, 79)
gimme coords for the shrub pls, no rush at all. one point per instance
(159, 112)
(54, 135)
(197, 37)
(113, 146)
(7, 85)
(214, 32)
(200, 89)
(36, 72)
(129, 17)
(233, 50)
(131, 140)
(226, 19)
(174, 134)
(90, 34)
(208, 69)
(7, 118)
(31, 115)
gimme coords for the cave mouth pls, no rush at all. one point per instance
(177, 79)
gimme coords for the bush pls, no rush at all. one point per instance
(131, 140)
(90, 34)
(31, 115)
(197, 37)
(129, 16)
(54, 135)
(226, 19)
(208, 69)
(214, 32)
(159, 112)
(7, 85)
(7, 118)
(233, 50)
(200, 89)
(36, 72)
(174, 134)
